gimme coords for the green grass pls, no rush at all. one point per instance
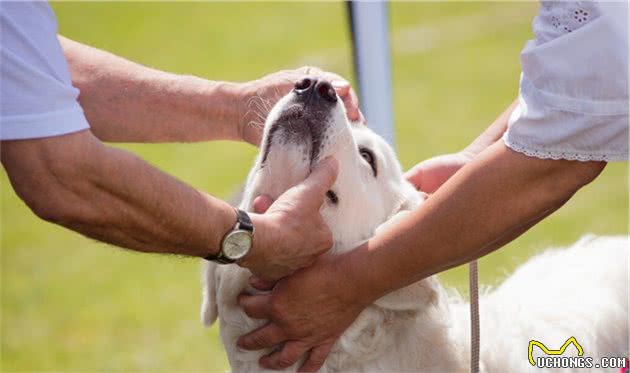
(71, 304)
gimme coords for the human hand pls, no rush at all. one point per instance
(427, 176)
(292, 233)
(307, 313)
(260, 95)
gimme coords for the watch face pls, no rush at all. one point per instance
(237, 244)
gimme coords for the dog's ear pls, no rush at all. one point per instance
(209, 310)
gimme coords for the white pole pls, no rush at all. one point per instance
(373, 66)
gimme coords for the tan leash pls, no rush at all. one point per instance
(473, 286)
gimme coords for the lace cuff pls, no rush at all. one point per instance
(570, 156)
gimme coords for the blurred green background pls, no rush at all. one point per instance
(71, 304)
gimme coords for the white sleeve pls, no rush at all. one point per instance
(37, 98)
(573, 96)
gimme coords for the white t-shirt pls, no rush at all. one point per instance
(573, 98)
(37, 98)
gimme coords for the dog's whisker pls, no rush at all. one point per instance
(257, 114)
(261, 105)
(257, 103)
(258, 120)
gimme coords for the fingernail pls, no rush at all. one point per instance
(340, 83)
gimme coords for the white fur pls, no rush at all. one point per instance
(581, 291)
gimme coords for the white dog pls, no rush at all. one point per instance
(579, 292)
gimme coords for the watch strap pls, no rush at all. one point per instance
(243, 221)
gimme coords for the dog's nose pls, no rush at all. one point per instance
(321, 88)
(326, 91)
(303, 85)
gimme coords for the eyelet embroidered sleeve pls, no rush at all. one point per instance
(573, 96)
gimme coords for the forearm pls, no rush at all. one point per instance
(492, 133)
(128, 102)
(492, 200)
(113, 196)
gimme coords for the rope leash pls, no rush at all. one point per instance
(473, 286)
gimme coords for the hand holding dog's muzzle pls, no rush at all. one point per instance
(292, 233)
(259, 96)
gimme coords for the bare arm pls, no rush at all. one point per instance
(127, 102)
(493, 199)
(113, 196)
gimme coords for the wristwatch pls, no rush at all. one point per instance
(237, 242)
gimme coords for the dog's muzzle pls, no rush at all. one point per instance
(305, 117)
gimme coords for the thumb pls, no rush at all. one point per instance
(321, 179)
(342, 87)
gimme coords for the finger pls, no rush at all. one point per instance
(342, 87)
(316, 358)
(261, 284)
(320, 180)
(256, 306)
(332, 78)
(262, 203)
(287, 356)
(349, 98)
(414, 176)
(264, 337)
(351, 102)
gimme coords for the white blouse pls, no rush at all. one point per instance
(573, 96)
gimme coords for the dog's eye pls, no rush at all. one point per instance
(332, 197)
(368, 155)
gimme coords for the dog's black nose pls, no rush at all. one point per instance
(320, 88)
(326, 91)
(304, 85)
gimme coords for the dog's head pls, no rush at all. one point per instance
(309, 124)
(305, 126)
